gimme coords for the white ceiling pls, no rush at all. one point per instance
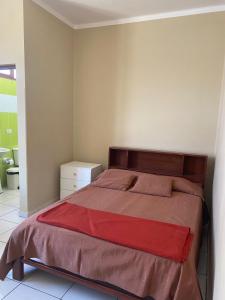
(93, 13)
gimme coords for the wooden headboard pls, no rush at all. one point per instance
(189, 166)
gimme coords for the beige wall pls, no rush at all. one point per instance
(49, 97)
(12, 52)
(218, 231)
(150, 85)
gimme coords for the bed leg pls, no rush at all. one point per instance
(18, 270)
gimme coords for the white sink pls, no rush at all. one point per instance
(3, 151)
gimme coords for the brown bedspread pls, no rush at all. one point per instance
(140, 273)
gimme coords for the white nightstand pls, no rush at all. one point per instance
(75, 175)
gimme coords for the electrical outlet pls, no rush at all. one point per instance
(9, 131)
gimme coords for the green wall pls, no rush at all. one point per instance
(7, 87)
(8, 120)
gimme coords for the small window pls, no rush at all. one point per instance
(8, 72)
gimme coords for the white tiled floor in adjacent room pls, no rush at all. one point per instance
(38, 285)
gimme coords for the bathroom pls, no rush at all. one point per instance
(9, 152)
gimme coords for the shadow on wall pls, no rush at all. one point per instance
(209, 182)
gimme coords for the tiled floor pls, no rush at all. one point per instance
(38, 285)
(9, 218)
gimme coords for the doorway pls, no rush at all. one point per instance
(9, 151)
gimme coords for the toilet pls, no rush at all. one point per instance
(13, 173)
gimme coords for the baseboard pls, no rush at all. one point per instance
(26, 214)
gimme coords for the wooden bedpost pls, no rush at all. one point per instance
(18, 269)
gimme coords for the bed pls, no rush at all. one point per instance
(120, 271)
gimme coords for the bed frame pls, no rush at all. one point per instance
(190, 166)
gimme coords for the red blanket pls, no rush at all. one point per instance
(162, 239)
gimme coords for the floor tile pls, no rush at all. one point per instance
(28, 270)
(23, 292)
(5, 236)
(9, 193)
(79, 292)
(6, 225)
(5, 209)
(47, 283)
(2, 247)
(6, 287)
(13, 217)
(14, 202)
(6, 197)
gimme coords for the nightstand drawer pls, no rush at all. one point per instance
(76, 173)
(72, 184)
